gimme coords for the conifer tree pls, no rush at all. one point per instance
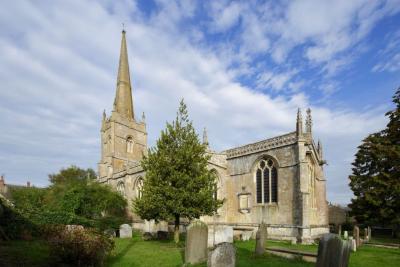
(376, 175)
(178, 183)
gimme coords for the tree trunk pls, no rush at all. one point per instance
(176, 233)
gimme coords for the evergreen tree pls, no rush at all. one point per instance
(178, 183)
(376, 175)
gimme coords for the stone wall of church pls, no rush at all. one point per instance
(241, 178)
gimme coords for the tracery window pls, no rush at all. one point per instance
(121, 188)
(129, 144)
(139, 187)
(266, 182)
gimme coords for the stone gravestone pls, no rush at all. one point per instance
(366, 234)
(369, 234)
(356, 235)
(340, 230)
(333, 251)
(353, 245)
(246, 235)
(125, 231)
(223, 255)
(261, 237)
(345, 235)
(220, 234)
(196, 242)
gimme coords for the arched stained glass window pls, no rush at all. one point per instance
(266, 181)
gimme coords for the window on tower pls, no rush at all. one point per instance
(129, 144)
(266, 181)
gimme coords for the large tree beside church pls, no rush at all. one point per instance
(376, 175)
(178, 183)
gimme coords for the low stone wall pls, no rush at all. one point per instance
(317, 232)
(276, 232)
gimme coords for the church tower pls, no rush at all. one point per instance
(123, 137)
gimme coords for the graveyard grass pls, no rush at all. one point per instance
(138, 253)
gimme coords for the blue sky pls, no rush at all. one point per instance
(243, 67)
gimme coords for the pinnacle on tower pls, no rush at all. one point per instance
(299, 123)
(319, 148)
(205, 137)
(123, 99)
(143, 117)
(308, 121)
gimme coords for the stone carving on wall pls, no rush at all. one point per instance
(244, 201)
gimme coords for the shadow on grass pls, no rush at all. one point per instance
(245, 257)
(122, 253)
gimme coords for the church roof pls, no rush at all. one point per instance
(282, 140)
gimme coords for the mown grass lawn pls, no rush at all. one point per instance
(138, 253)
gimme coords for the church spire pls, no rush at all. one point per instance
(205, 137)
(123, 98)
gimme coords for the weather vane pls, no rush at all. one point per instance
(123, 26)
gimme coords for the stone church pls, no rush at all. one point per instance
(278, 181)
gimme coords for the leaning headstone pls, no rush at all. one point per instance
(366, 234)
(356, 235)
(196, 242)
(261, 237)
(125, 231)
(346, 235)
(333, 251)
(223, 255)
(340, 230)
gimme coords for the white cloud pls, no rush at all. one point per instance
(58, 73)
(225, 15)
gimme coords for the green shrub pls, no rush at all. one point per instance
(78, 246)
